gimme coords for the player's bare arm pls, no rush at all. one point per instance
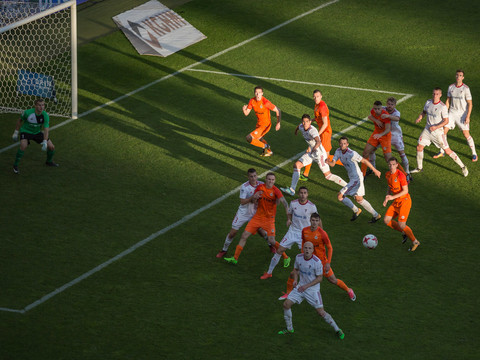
(317, 280)
(371, 167)
(324, 125)
(246, 110)
(284, 203)
(279, 118)
(376, 121)
(470, 106)
(420, 117)
(441, 125)
(391, 117)
(393, 197)
(289, 220)
(295, 277)
(388, 128)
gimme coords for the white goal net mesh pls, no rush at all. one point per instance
(35, 57)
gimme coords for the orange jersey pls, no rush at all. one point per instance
(320, 111)
(395, 183)
(319, 239)
(262, 110)
(379, 117)
(267, 203)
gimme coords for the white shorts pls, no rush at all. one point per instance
(320, 157)
(437, 137)
(240, 219)
(291, 237)
(312, 295)
(353, 188)
(457, 118)
(397, 141)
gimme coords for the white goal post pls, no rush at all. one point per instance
(38, 56)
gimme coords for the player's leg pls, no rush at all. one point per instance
(333, 279)
(471, 144)
(370, 147)
(250, 229)
(287, 315)
(359, 198)
(423, 140)
(296, 174)
(322, 164)
(315, 299)
(20, 152)
(228, 240)
(443, 143)
(342, 197)
(50, 153)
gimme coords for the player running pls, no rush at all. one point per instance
(309, 268)
(402, 203)
(298, 217)
(355, 187)
(268, 196)
(316, 235)
(262, 108)
(315, 152)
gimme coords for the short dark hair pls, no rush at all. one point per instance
(251, 171)
(315, 215)
(302, 187)
(306, 116)
(258, 88)
(39, 100)
(343, 138)
(393, 159)
(460, 70)
(317, 91)
(377, 103)
(270, 173)
(437, 88)
(392, 99)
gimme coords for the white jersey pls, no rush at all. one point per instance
(246, 191)
(435, 113)
(350, 160)
(458, 97)
(309, 136)
(309, 270)
(396, 129)
(301, 214)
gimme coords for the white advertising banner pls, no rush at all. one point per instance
(154, 29)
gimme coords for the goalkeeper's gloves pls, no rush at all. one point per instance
(44, 145)
(15, 135)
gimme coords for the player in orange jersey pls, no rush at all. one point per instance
(320, 240)
(402, 203)
(262, 108)
(268, 196)
(322, 117)
(381, 134)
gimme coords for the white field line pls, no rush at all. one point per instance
(170, 227)
(298, 82)
(166, 77)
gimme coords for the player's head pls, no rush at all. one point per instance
(391, 103)
(315, 220)
(459, 75)
(308, 249)
(270, 180)
(303, 193)
(317, 96)
(258, 91)
(392, 164)
(343, 143)
(39, 105)
(252, 176)
(306, 121)
(437, 94)
(377, 107)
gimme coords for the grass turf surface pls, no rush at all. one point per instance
(133, 168)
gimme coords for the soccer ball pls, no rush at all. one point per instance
(370, 241)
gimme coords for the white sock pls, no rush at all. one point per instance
(274, 262)
(350, 204)
(420, 159)
(287, 315)
(366, 205)
(227, 243)
(336, 179)
(456, 159)
(329, 320)
(405, 163)
(295, 177)
(472, 145)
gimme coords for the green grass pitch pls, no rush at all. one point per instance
(133, 168)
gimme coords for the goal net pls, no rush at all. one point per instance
(38, 56)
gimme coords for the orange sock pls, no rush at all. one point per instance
(394, 225)
(284, 254)
(238, 250)
(409, 233)
(364, 168)
(307, 170)
(257, 143)
(289, 285)
(342, 285)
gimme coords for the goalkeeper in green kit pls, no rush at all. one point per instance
(33, 121)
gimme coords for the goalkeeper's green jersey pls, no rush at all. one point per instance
(32, 123)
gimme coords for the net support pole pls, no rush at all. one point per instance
(73, 19)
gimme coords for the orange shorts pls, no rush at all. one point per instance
(265, 223)
(326, 138)
(260, 131)
(385, 141)
(400, 209)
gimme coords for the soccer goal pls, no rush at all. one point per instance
(38, 56)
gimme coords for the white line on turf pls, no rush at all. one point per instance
(184, 69)
(298, 82)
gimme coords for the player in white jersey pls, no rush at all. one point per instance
(459, 103)
(247, 208)
(298, 218)
(350, 160)
(397, 135)
(437, 117)
(310, 269)
(315, 153)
